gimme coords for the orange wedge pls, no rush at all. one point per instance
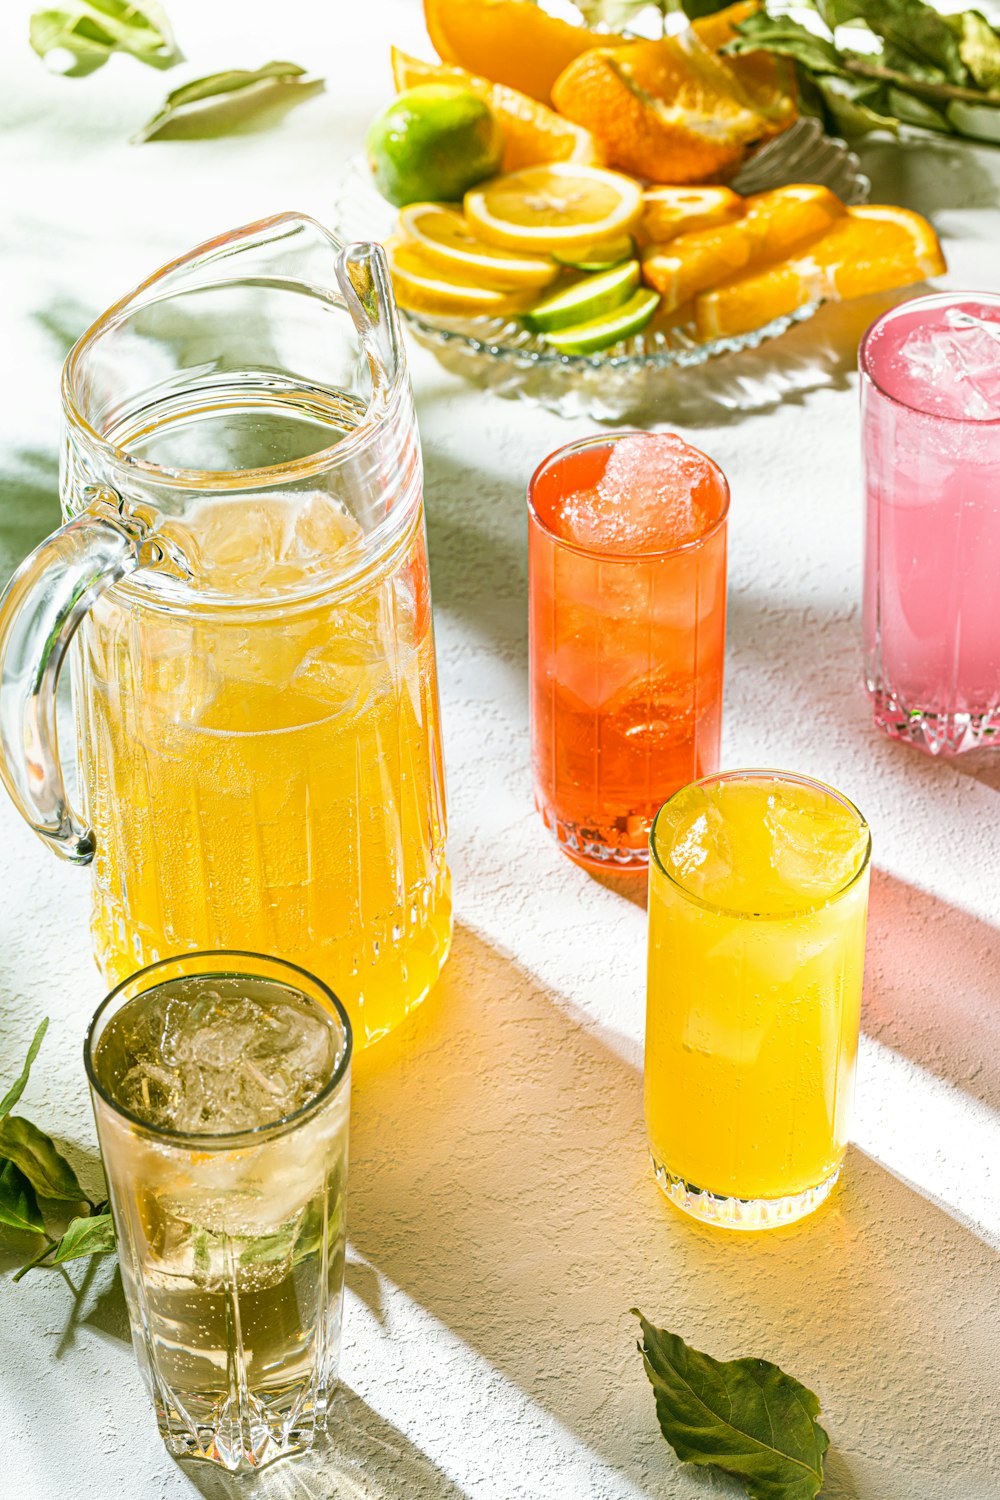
(669, 111)
(768, 81)
(508, 41)
(422, 286)
(670, 211)
(774, 223)
(532, 132)
(870, 249)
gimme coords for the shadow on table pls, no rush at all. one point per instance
(930, 173)
(931, 986)
(531, 1235)
(30, 478)
(478, 554)
(361, 1457)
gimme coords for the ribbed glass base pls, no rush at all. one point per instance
(240, 1436)
(599, 849)
(740, 1213)
(937, 734)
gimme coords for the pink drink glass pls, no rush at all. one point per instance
(930, 404)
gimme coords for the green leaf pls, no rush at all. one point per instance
(91, 1235)
(18, 1204)
(216, 86)
(854, 107)
(742, 1415)
(913, 111)
(980, 122)
(914, 30)
(31, 1150)
(16, 1089)
(979, 49)
(788, 38)
(89, 31)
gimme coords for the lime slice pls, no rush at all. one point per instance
(620, 323)
(599, 257)
(591, 297)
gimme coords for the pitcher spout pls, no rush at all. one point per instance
(364, 283)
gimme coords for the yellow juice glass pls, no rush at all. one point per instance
(758, 900)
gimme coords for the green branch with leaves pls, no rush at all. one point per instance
(863, 65)
(33, 1173)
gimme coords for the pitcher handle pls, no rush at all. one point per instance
(40, 610)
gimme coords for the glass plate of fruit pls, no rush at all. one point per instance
(568, 214)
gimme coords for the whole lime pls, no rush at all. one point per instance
(433, 142)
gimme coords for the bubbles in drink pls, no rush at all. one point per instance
(755, 847)
(202, 1057)
(948, 364)
(264, 543)
(656, 493)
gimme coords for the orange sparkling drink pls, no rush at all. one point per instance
(627, 623)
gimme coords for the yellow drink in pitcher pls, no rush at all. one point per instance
(758, 898)
(267, 776)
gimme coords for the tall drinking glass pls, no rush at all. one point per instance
(930, 403)
(627, 620)
(221, 1090)
(758, 898)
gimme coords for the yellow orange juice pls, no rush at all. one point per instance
(268, 776)
(758, 896)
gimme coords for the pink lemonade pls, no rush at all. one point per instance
(627, 612)
(930, 398)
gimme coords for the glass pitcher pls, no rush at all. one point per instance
(243, 577)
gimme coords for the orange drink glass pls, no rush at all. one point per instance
(627, 623)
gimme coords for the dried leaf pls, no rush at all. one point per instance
(217, 86)
(89, 31)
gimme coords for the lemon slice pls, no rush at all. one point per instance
(590, 297)
(445, 241)
(599, 257)
(552, 208)
(421, 286)
(611, 328)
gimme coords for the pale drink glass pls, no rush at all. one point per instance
(930, 403)
(221, 1091)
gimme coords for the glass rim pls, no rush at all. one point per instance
(596, 554)
(866, 362)
(765, 773)
(220, 1140)
(377, 413)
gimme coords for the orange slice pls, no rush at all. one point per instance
(532, 132)
(555, 208)
(509, 41)
(422, 286)
(445, 242)
(774, 223)
(870, 249)
(670, 211)
(668, 111)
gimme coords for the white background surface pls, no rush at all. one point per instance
(502, 1215)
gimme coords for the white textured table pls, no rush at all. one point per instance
(502, 1215)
